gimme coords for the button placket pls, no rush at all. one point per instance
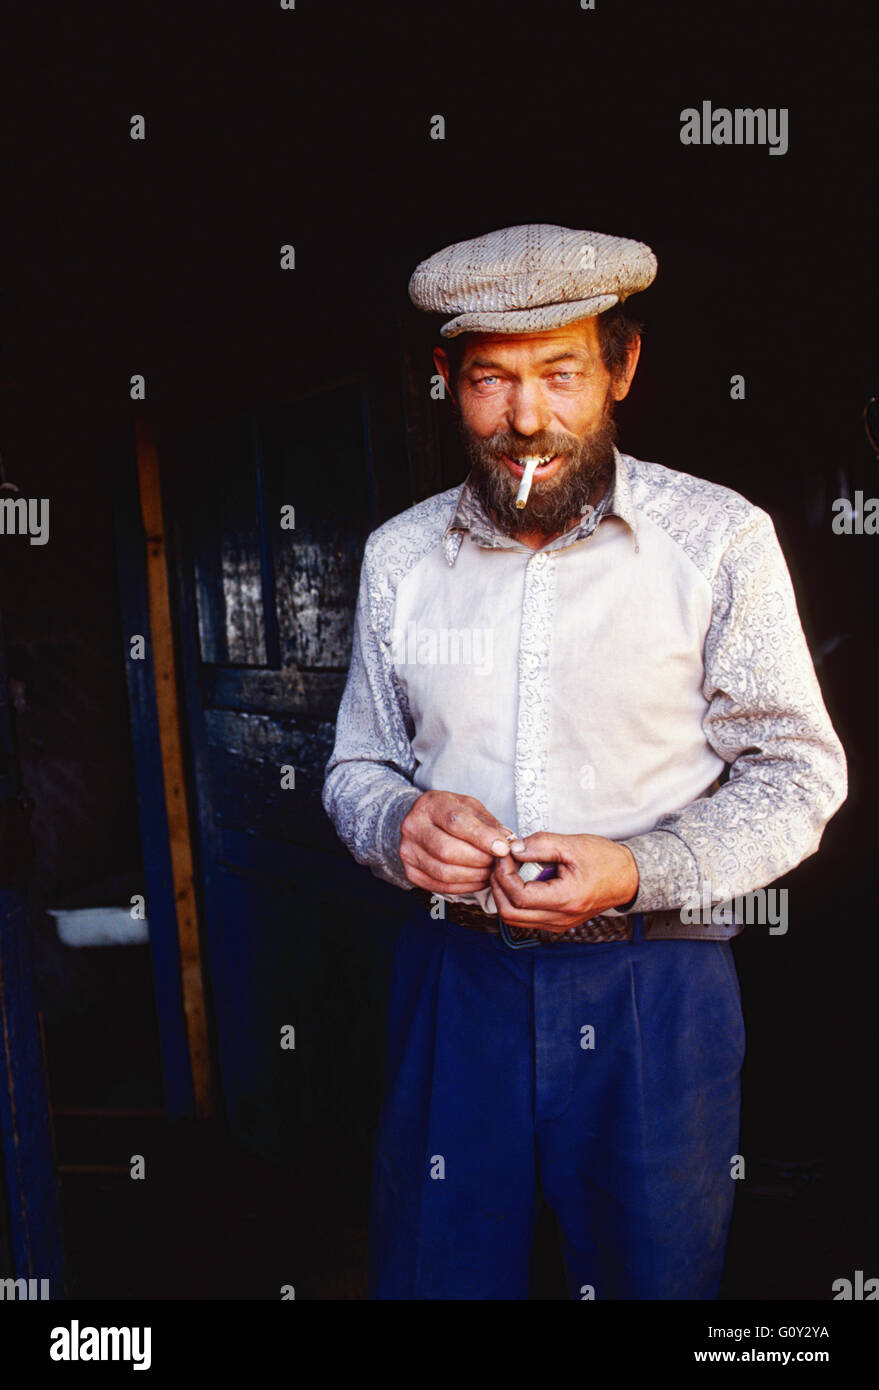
(532, 725)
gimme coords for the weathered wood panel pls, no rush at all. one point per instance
(289, 691)
(318, 572)
(227, 559)
(247, 752)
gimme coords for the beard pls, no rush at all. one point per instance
(553, 505)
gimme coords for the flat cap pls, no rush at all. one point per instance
(528, 278)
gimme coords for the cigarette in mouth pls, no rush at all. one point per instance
(527, 479)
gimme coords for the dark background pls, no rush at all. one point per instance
(312, 127)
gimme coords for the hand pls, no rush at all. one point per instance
(593, 874)
(449, 843)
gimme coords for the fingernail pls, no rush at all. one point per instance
(499, 847)
(517, 846)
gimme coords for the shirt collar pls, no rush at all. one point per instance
(471, 518)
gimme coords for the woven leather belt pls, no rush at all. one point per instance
(658, 926)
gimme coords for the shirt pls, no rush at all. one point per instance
(599, 684)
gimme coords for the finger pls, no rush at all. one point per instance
(517, 917)
(448, 850)
(552, 895)
(544, 848)
(507, 870)
(445, 875)
(447, 879)
(433, 885)
(415, 853)
(479, 829)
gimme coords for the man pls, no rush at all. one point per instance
(610, 683)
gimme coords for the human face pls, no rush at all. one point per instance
(545, 393)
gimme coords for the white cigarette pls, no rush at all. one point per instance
(527, 479)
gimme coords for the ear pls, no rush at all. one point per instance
(620, 385)
(443, 366)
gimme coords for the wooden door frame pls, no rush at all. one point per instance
(180, 1091)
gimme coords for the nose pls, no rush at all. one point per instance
(527, 411)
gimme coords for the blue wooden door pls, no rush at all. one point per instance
(269, 511)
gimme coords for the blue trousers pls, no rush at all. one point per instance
(607, 1076)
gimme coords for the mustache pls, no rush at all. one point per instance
(517, 449)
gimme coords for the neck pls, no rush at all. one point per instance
(535, 540)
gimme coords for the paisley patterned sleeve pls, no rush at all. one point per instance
(767, 719)
(368, 787)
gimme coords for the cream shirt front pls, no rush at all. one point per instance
(571, 698)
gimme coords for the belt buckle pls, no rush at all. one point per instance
(504, 932)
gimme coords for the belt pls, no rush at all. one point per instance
(658, 926)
